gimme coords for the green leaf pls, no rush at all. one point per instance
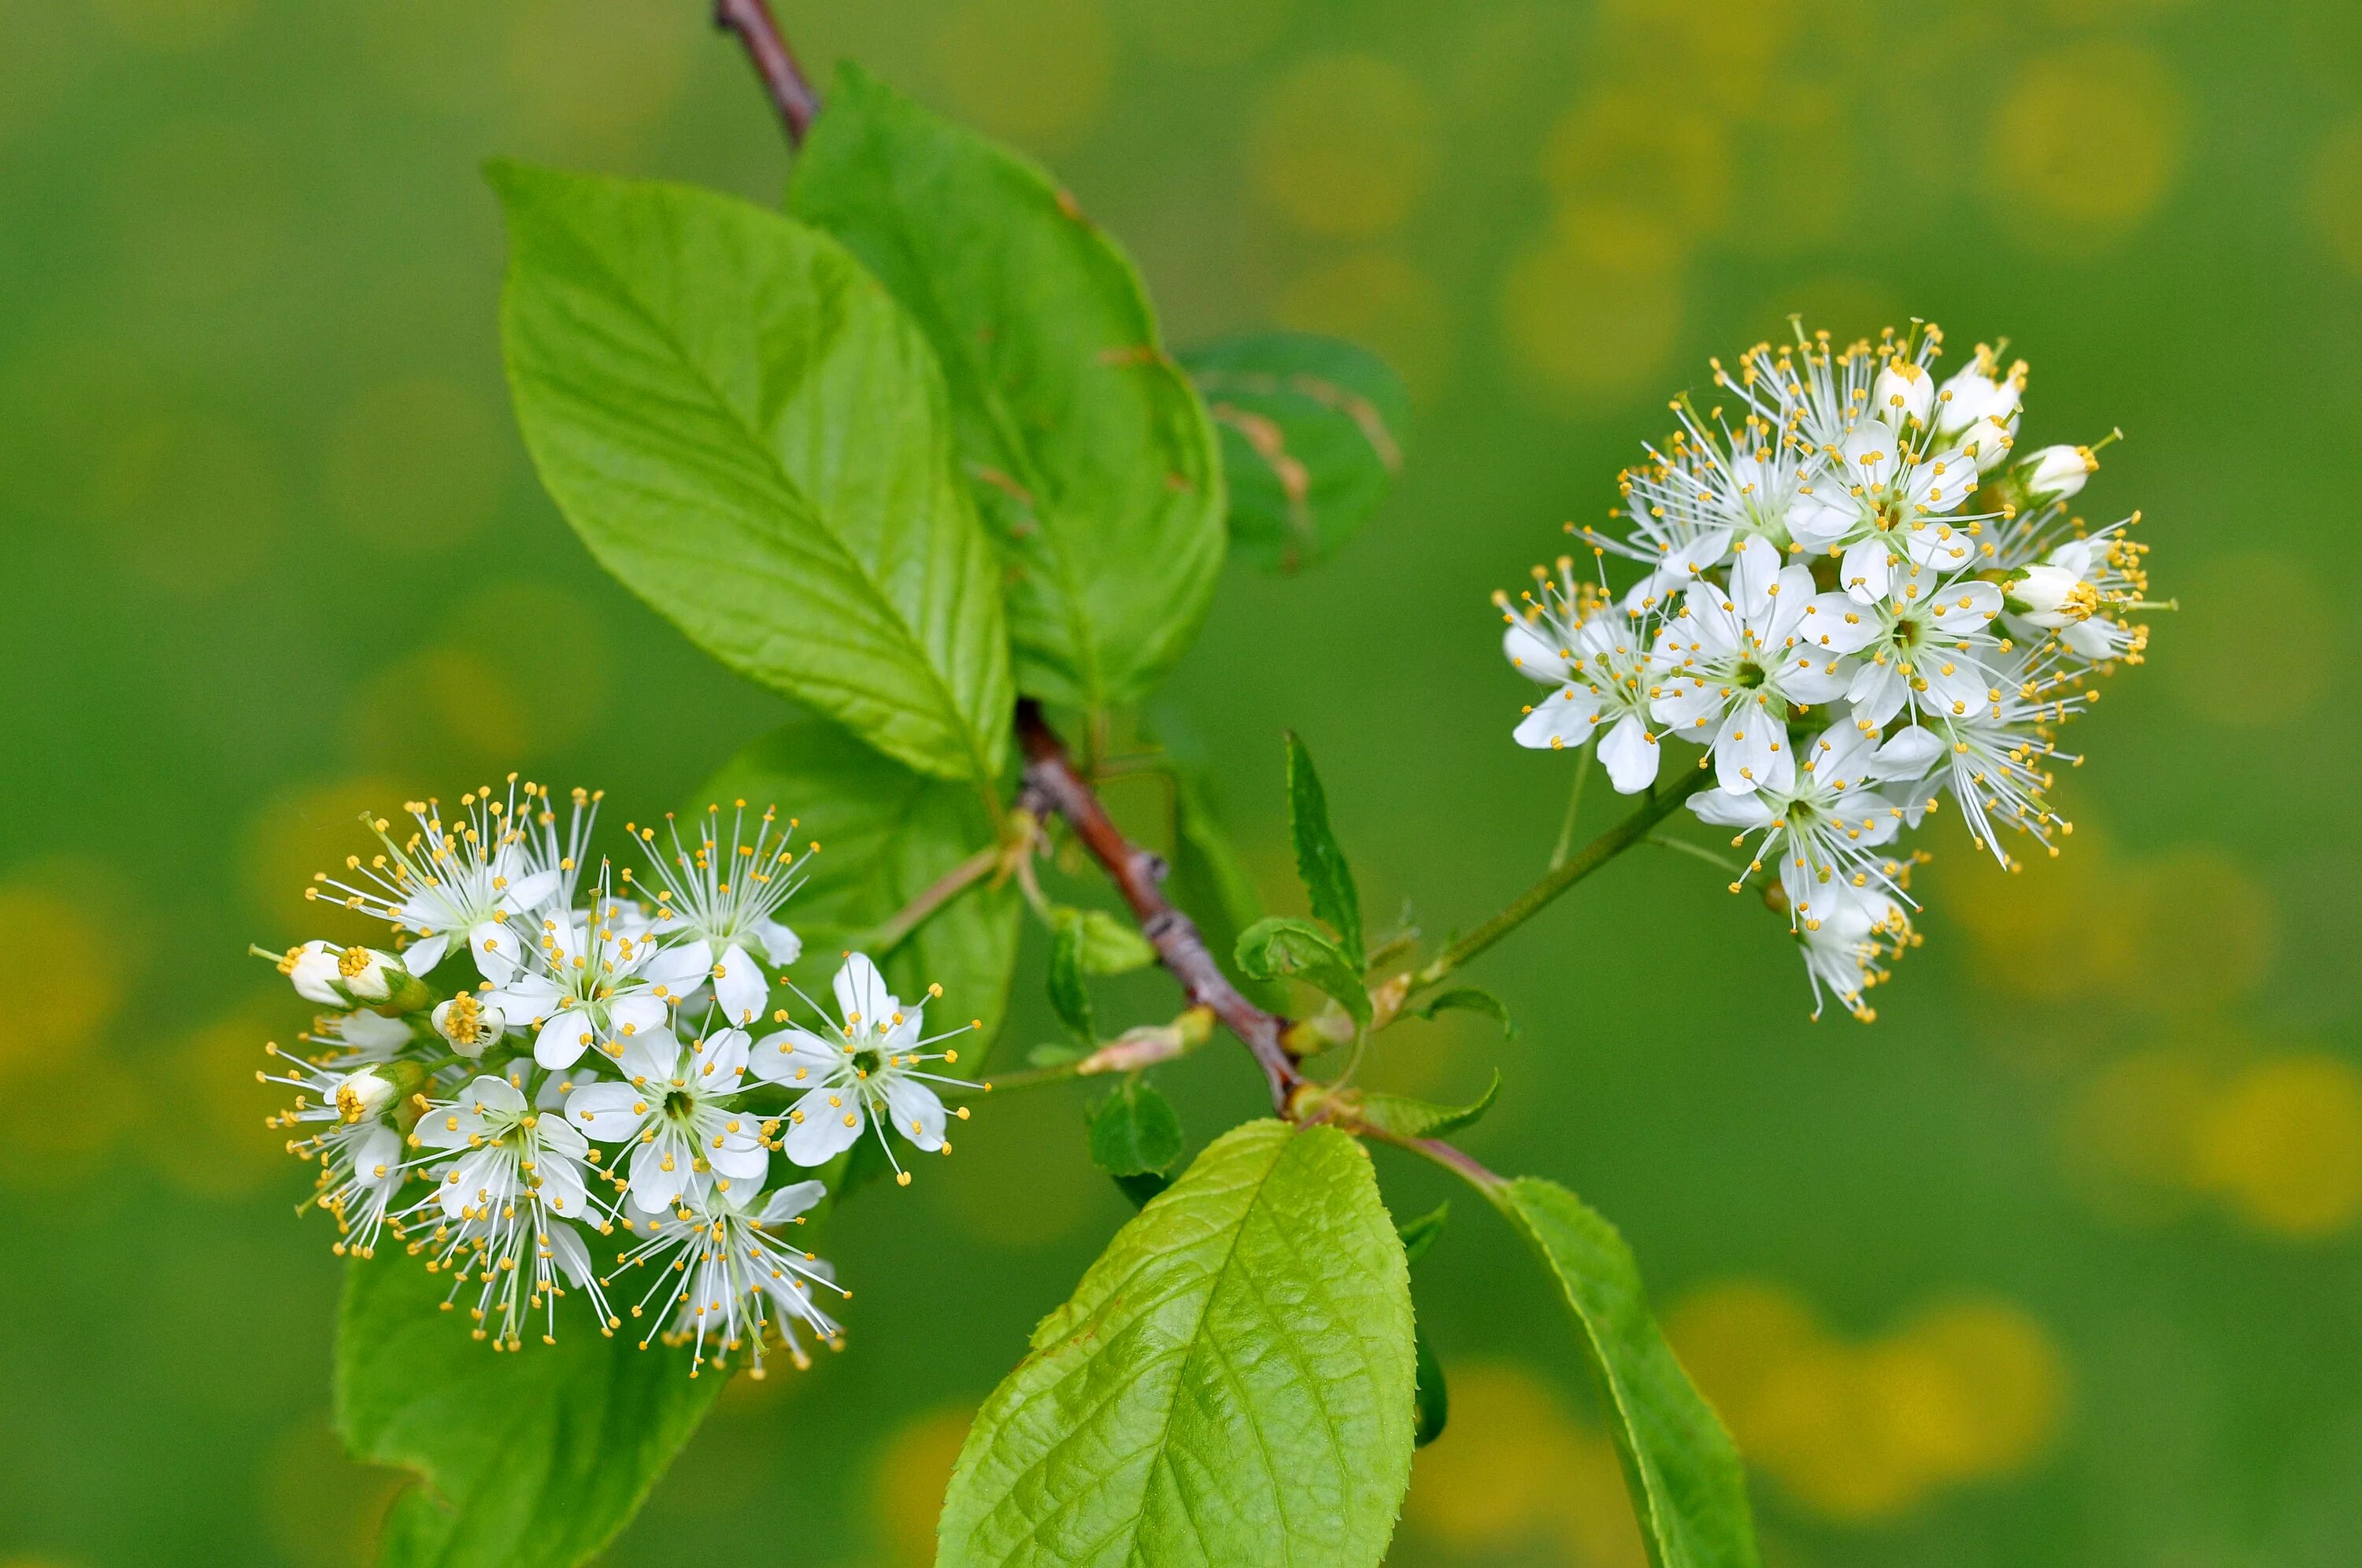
(1407, 1117)
(1089, 451)
(1430, 1399)
(1419, 1234)
(886, 835)
(1687, 1485)
(1231, 1383)
(1319, 861)
(527, 1459)
(1068, 996)
(1135, 1131)
(1139, 1190)
(1469, 998)
(1311, 440)
(748, 431)
(1211, 886)
(1285, 947)
(1108, 945)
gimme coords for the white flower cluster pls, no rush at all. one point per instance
(1857, 596)
(460, 1090)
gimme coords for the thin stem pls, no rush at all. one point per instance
(1451, 1157)
(1051, 784)
(889, 935)
(1660, 804)
(774, 61)
(1574, 808)
(1709, 856)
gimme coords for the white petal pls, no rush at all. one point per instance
(561, 1185)
(653, 1186)
(637, 1013)
(739, 986)
(572, 1258)
(1532, 652)
(722, 1062)
(1726, 809)
(1562, 721)
(489, 1094)
(563, 1040)
(609, 1112)
(861, 993)
(780, 946)
(1866, 573)
(1630, 754)
(1908, 753)
(826, 1129)
(529, 893)
(1833, 622)
(653, 1054)
(1755, 566)
(793, 1055)
(918, 1114)
(679, 969)
(1751, 752)
(790, 1201)
(421, 956)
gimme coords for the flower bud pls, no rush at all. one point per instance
(2050, 596)
(1986, 441)
(363, 971)
(313, 968)
(1904, 393)
(364, 1095)
(469, 1024)
(2057, 473)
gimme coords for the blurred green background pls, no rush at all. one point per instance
(2055, 1263)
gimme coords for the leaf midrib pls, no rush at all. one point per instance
(770, 460)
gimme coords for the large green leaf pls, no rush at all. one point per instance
(528, 1459)
(1135, 1132)
(886, 835)
(1311, 439)
(748, 431)
(1231, 1383)
(1687, 1485)
(1089, 451)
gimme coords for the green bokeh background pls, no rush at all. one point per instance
(2055, 1263)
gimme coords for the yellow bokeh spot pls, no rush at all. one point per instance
(2083, 144)
(191, 505)
(1625, 151)
(417, 466)
(2282, 1144)
(1594, 310)
(1862, 1430)
(907, 1481)
(296, 833)
(2336, 192)
(173, 26)
(321, 1509)
(1210, 32)
(1514, 1473)
(1719, 54)
(596, 71)
(2129, 1137)
(1384, 304)
(1342, 146)
(1033, 70)
(208, 1137)
(82, 970)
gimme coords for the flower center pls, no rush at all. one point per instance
(677, 1104)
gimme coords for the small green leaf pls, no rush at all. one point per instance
(1285, 947)
(1419, 1234)
(886, 835)
(1311, 440)
(1139, 1190)
(527, 1459)
(1088, 451)
(1407, 1117)
(1210, 883)
(1135, 1131)
(1432, 1399)
(1109, 944)
(1688, 1488)
(1068, 996)
(1318, 859)
(1232, 1383)
(750, 434)
(1469, 998)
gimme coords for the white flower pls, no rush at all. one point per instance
(1928, 647)
(468, 1024)
(1978, 407)
(717, 899)
(2056, 473)
(359, 1154)
(1822, 828)
(509, 1177)
(1712, 485)
(463, 880)
(1904, 394)
(1598, 656)
(731, 1280)
(1994, 761)
(870, 1070)
(1846, 953)
(1736, 661)
(353, 1038)
(1884, 501)
(673, 1108)
(583, 984)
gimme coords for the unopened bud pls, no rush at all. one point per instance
(2051, 596)
(1904, 394)
(1987, 441)
(364, 1095)
(313, 968)
(2055, 473)
(469, 1024)
(364, 972)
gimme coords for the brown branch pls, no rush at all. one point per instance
(1053, 784)
(775, 62)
